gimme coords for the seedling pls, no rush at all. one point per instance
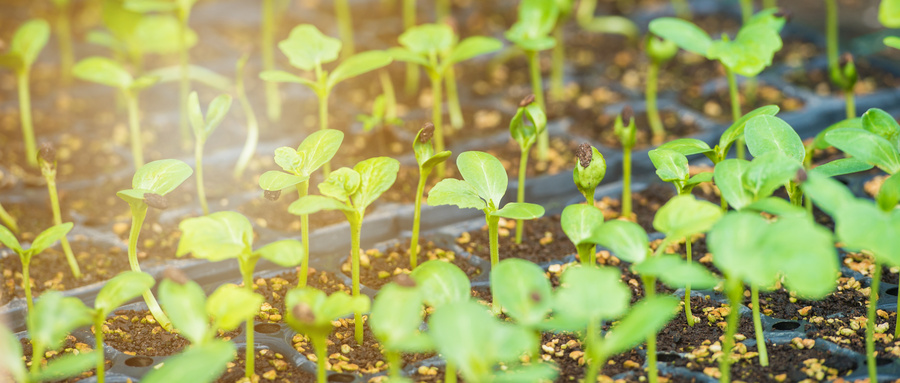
(345, 26)
(52, 319)
(412, 70)
(427, 160)
(442, 283)
(660, 51)
(315, 151)
(875, 142)
(271, 11)
(8, 220)
(589, 170)
(435, 48)
(558, 55)
(378, 117)
(531, 33)
(626, 133)
(42, 242)
(750, 250)
(310, 312)
(526, 134)
(149, 186)
(203, 126)
(579, 222)
(252, 124)
(395, 320)
(118, 290)
(64, 37)
(352, 191)
(228, 235)
(524, 293)
(308, 49)
(108, 72)
(841, 69)
(47, 162)
(26, 45)
(889, 16)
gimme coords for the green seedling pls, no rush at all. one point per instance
(558, 55)
(427, 159)
(345, 26)
(53, 317)
(308, 49)
(531, 33)
(378, 117)
(108, 72)
(8, 220)
(271, 11)
(315, 150)
(659, 51)
(26, 45)
(412, 70)
(149, 186)
(626, 134)
(118, 290)
(841, 70)
(229, 235)
(252, 123)
(64, 38)
(47, 162)
(191, 312)
(589, 170)
(525, 135)
(683, 216)
(889, 16)
(876, 140)
(524, 293)
(310, 312)
(748, 249)
(42, 242)
(609, 299)
(397, 314)
(579, 222)
(435, 48)
(351, 191)
(203, 126)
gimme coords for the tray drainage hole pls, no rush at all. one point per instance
(882, 361)
(139, 361)
(341, 378)
(786, 326)
(666, 358)
(891, 291)
(267, 328)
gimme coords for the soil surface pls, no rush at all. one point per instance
(137, 333)
(677, 336)
(542, 241)
(599, 127)
(269, 365)
(378, 267)
(718, 104)
(275, 288)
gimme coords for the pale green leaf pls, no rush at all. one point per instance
(883, 124)
(580, 222)
(644, 319)
(671, 166)
(8, 239)
(273, 180)
(318, 148)
(736, 130)
(307, 48)
(889, 13)
(285, 253)
(520, 210)
(231, 305)
(728, 176)
(769, 172)
(54, 317)
(806, 256)
(625, 239)
(866, 146)
(889, 195)
(162, 176)
(120, 289)
(358, 64)
(406, 55)
(750, 52)
(48, 237)
(892, 41)
(683, 33)
(340, 184)
(396, 316)
(737, 241)
(684, 216)
(198, 364)
(522, 290)
(282, 76)
(185, 305)
(842, 166)
(766, 133)
(376, 176)
(29, 40)
(472, 47)
(485, 174)
(314, 203)
(441, 283)
(67, 366)
(426, 39)
(602, 287)
(687, 146)
(216, 237)
(103, 71)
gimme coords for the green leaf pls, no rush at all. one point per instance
(216, 112)
(676, 272)
(736, 130)
(750, 52)
(644, 319)
(307, 48)
(765, 133)
(683, 33)
(122, 288)
(314, 203)
(341, 184)
(619, 25)
(103, 71)
(67, 366)
(806, 256)
(626, 240)
(526, 134)
(48, 237)
(671, 166)
(29, 40)
(485, 174)
(11, 359)
(777, 206)
(199, 363)
(285, 253)
(358, 64)
(54, 317)
(767, 173)
(881, 123)
(143, 82)
(396, 317)
(737, 241)
(828, 194)
(289, 159)
(520, 210)
(451, 191)
(324, 309)
(536, 20)
(428, 38)
(435, 160)
(8, 239)
(161, 177)
(889, 13)
(889, 195)
(866, 146)
(216, 237)
(376, 176)
(728, 176)
(195, 73)
(441, 283)
(318, 148)
(820, 142)
(601, 286)
(686, 146)
(184, 303)
(842, 166)
(282, 76)
(132, 196)
(892, 41)
(160, 34)
(406, 55)
(684, 216)
(580, 222)
(273, 180)
(699, 178)
(472, 47)
(231, 305)
(522, 290)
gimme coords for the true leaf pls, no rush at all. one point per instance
(625, 239)
(103, 71)
(522, 290)
(215, 237)
(520, 210)
(319, 148)
(485, 174)
(340, 184)
(48, 237)
(441, 283)
(307, 48)
(358, 64)
(866, 146)
(684, 216)
(286, 252)
(231, 305)
(765, 133)
(580, 221)
(676, 273)
(683, 33)
(750, 52)
(184, 303)
(376, 176)
(274, 180)
(120, 289)
(199, 363)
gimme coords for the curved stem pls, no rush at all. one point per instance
(250, 352)
(557, 64)
(656, 125)
(138, 213)
(453, 108)
(50, 176)
(626, 182)
(520, 190)
(355, 229)
(25, 117)
(757, 327)
(321, 356)
(417, 216)
(134, 126)
(273, 97)
(735, 108)
(252, 123)
(345, 27)
(537, 86)
(198, 159)
(98, 347)
(437, 118)
(688, 313)
(37, 357)
(652, 369)
(870, 323)
(303, 191)
(735, 293)
(8, 220)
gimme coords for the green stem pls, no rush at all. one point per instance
(626, 182)
(250, 352)
(757, 327)
(37, 356)
(134, 128)
(831, 34)
(688, 313)
(850, 104)
(682, 9)
(98, 347)
(185, 81)
(390, 99)
(770, 4)
(64, 33)
(323, 124)
(394, 363)
(355, 228)
(593, 341)
(585, 253)
(450, 372)
(735, 108)
(746, 11)
(321, 356)
(412, 70)
(442, 10)
(870, 323)
(650, 292)
(8, 220)
(345, 27)
(303, 191)
(656, 125)
(534, 65)
(138, 213)
(735, 291)
(273, 97)
(25, 117)
(50, 176)
(437, 117)
(417, 216)
(252, 123)
(493, 235)
(557, 64)
(26, 282)
(520, 190)
(750, 89)
(453, 108)
(198, 158)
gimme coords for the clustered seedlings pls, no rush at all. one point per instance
(203, 126)
(26, 45)
(47, 162)
(116, 292)
(525, 135)
(42, 242)
(625, 130)
(427, 160)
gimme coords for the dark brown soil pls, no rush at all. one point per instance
(542, 241)
(781, 304)
(268, 365)
(599, 127)
(871, 79)
(137, 333)
(677, 336)
(378, 267)
(646, 202)
(568, 355)
(849, 331)
(274, 290)
(718, 105)
(71, 345)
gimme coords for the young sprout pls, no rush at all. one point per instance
(108, 72)
(47, 162)
(427, 160)
(659, 51)
(149, 186)
(229, 235)
(524, 293)
(750, 250)
(558, 55)
(442, 283)
(310, 312)
(26, 45)
(115, 292)
(379, 116)
(875, 142)
(530, 33)
(526, 135)
(841, 69)
(589, 170)
(9, 220)
(252, 124)
(395, 320)
(308, 49)
(315, 151)
(351, 191)
(271, 15)
(53, 317)
(626, 133)
(203, 126)
(64, 37)
(579, 221)
(435, 48)
(42, 242)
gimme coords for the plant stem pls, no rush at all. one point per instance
(98, 347)
(493, 235)
(417, 216)
(252, 123)
(650, 292)
(437, 117)
(26, 282)
(9, 220)
(450, 372)
(537, 86)
(134, 127)
(25, 117)
(50, 176)
(345, 27)
(688, 313)
(735, 108)
(390, 99)
(770, 4)
(757, 327)
(656, 125)
(138, 213)
(198, 159)
(746, 11)
(453, 108)
(850, 104)
(394, 363)
(323, 124)
(64, 33)
(355, 229)
(303, 191)
(557, 64)
(246, 268)
(185, 83)
(831, 34)
(273, 97)
(585, 253)
(442, 10)
(412, 70)
(321, 357)
(870, 323)
(735, 293)
(682, 9)
(520, 191)
(626, 182)
(594, 366)
(37, 355)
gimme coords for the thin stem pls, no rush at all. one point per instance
(520, 191)
(417, 216)
(138, 213)
(735, 108)
(390, 99)
(185, 81)
(656, 125)
(750, 89)
(437, 118)
(321, 356)
(8, 220)
(652, 369)
(273, 97)
(850, 102)
(25, 117)
(250, 352)
(412, 70)
(98, 347)
(770, 4)
(593, 341)
(493, 235)
(134, 129)
(453, 108)
(323, 124)
(394, 363)
(757, 327)
(252, 123)
(870, 323)
(355, 229)
(26, 282)
(746, 11)
(688, 313)
(557, 64)
(50, 176)
(450, 372)
(537, 86)
(37, 356)
(345, 27)
(198, 159)
(64, 33)
(831, 34)
(442, 10)
(735, 293)
(626, 182)
(303, 191)
(585, 253)
(682, 9)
